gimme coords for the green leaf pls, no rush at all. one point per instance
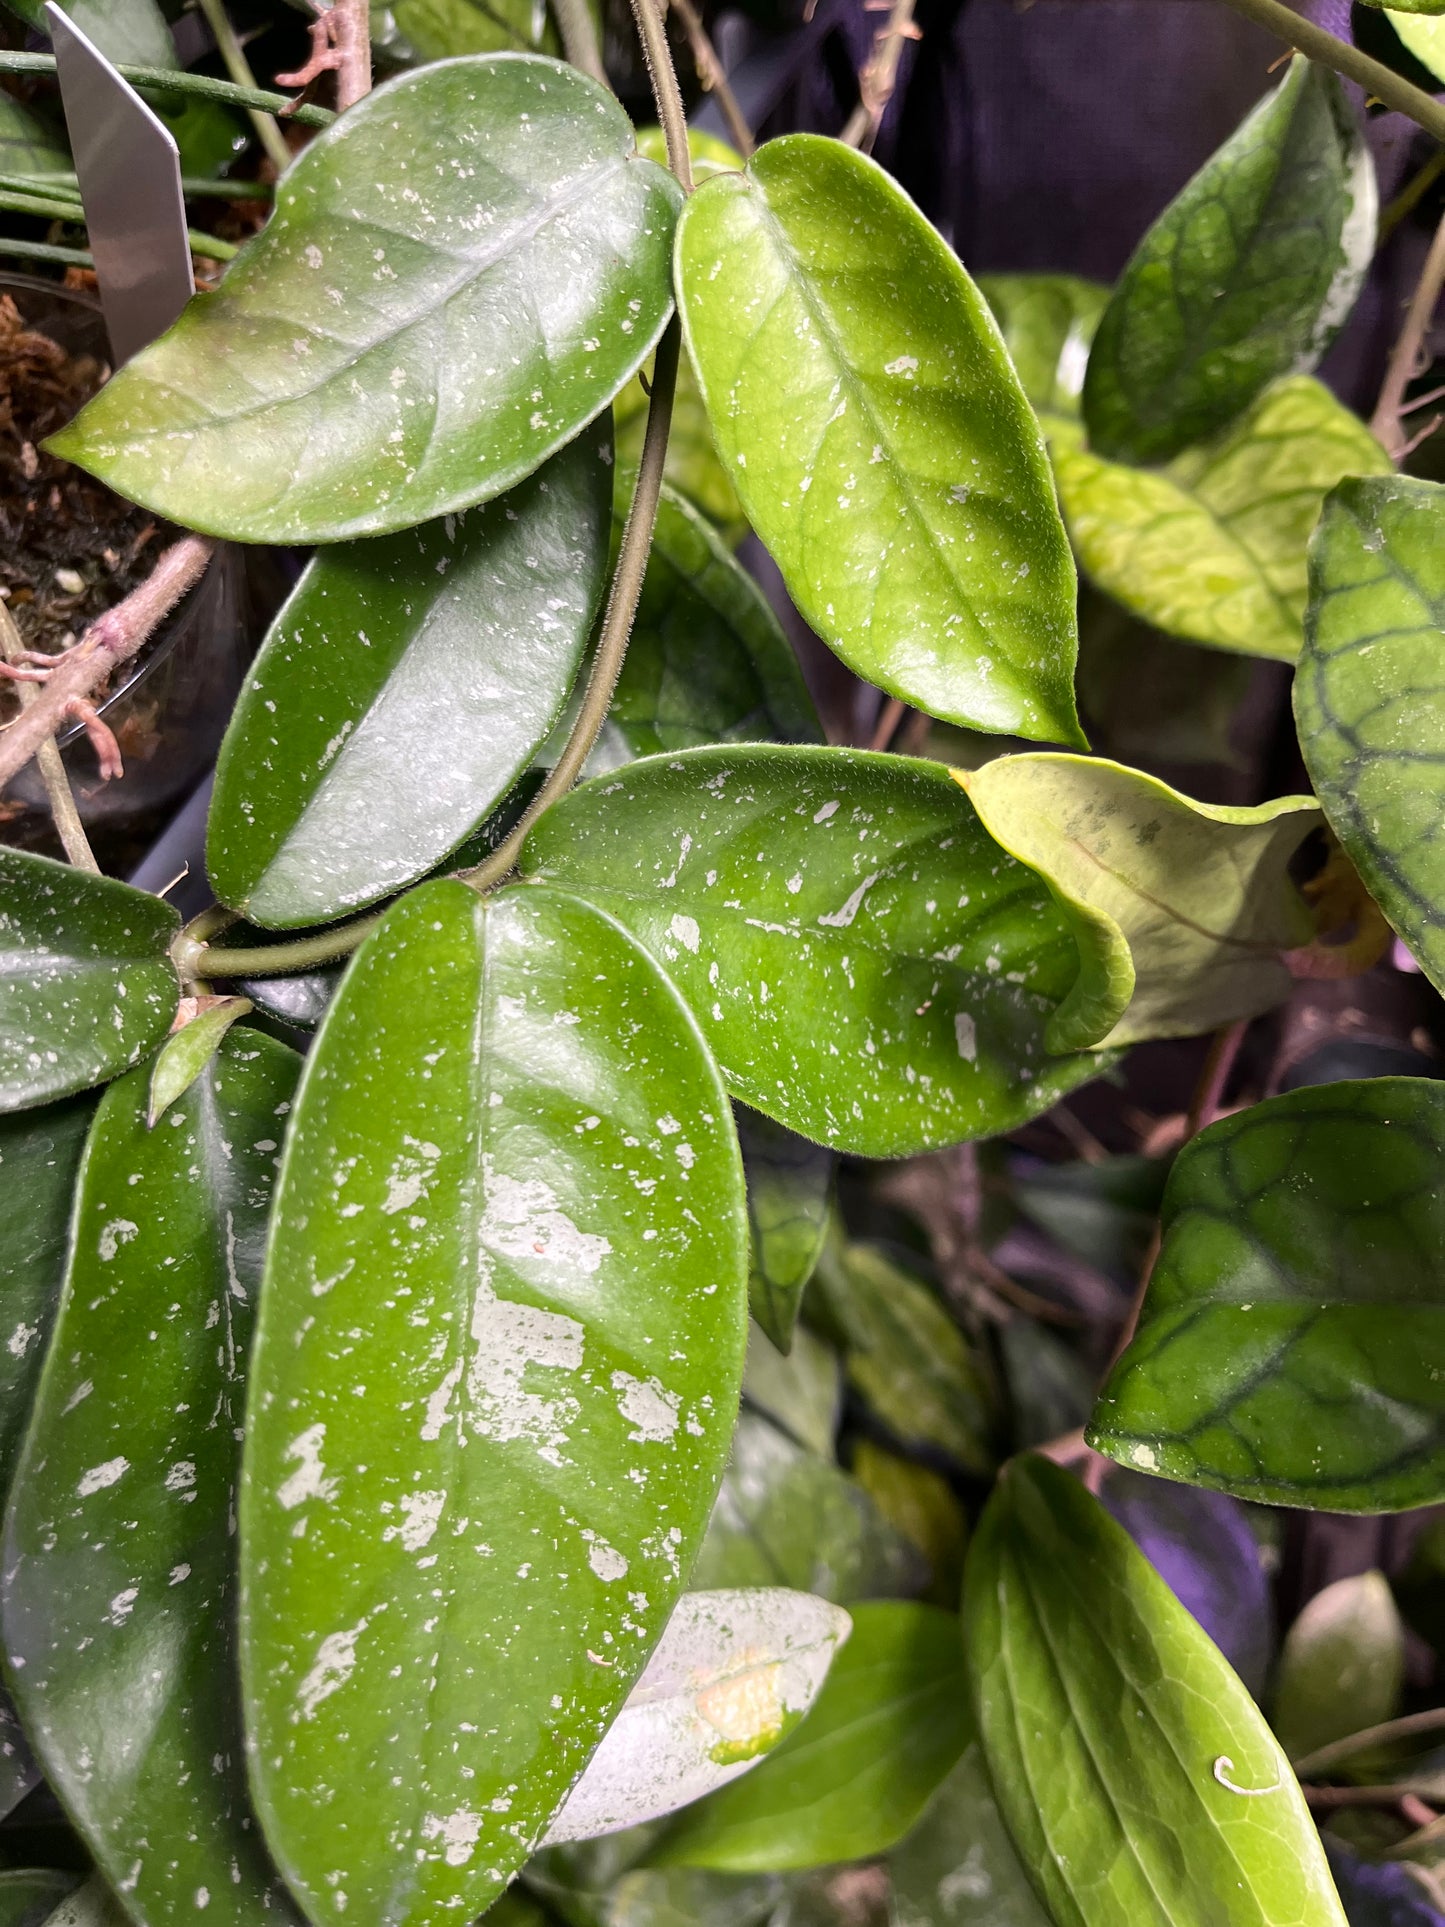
(958, 1867)
(790, 1192)
(708, 662)
(1105, 1213)
(786, 1517)
(869, 418)
(89, 1905)
(119, 1554)
(1342, 1665)
(498, 1360)
(1424, 37)
(907, 1358)
(709, 154)
(27, 144)
(1047, 322)
(921, 1504)
(1183, 911)
(680, 1897)
(1247, 275)
(1136, 1776)
(424, 668)
(444, 29)
(345, 379)
(1369, 698)
(692, 466)
(1212, 547)
(1152, 698)
(86, 975)
(186, 1053)
(1292, 1341)
(733, 1674)
(29, 1895)
(890, 1722)
(801, 1391)
(19, 1770)
(867, 966)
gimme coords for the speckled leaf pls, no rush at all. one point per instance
(411, 332)
(1369, 697)
(1424, 37)
(1183, 911)
(1047, 322)
(874, 429)
(790, 1190)
(800, 1390)
(732, 1675)
(1247, 275)
(341, 710)
(186, 1053)
(1342, 1665)
(1212, 547)
(495, 1377)
(786, 1517)
(86, 984)
(1135, 1774)
(692, 467)
(958, 1867)
(708, 662)
(889, 1723)
(1291, 1347)
(867, 965)
(29, 1895)
(118, 1593)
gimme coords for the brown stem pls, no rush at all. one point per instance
(579, 37)
(889, 717)
(1325, 1758)
(48, 761)
(1325, 1798)
(1372, 75)
(113, 638)
(665, 91)
(713, 75)
(880, 77)
(1408, 353)
(352, 38)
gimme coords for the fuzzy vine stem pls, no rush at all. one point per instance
(1372, 75)
(165, 80)
(671, 114)
(233, 56)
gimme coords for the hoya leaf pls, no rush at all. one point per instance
(920, 1504)
(692, 466)
(29, 1895)
(1139, 1781)
(872, 424)
(91, 1904)
(1369, 697)
(494, 1381)
(709, 154)
(407, 335)
(732, 1675)
(1152, 698)
(19, 1770)
(1291, 1346)
(790, 1191)
(958, 1867)
(787, 1517)
(1342, 1665)
(1183, 911)
(86, 982)
(424, 668)
(444, 29)
(119, 1554)
(186, 1053)
(802, 1390)
(1047, 322)
(708, 661)
(890, 1722)
(1212, 547)
(28, 145)
(867, 966)
(1247, 275)
(1425, 37)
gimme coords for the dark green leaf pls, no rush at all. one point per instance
(801, 1391)
(1150, 698)
(1050, 1387)
(27, 144)
(1420, 1588)
(19, 1769)
(692, 467)
(1104, 1213)
(790, 1189)
(498, 1360)
(890, 1722)
(680, 1897)
(786, 1517)
(868, 967)
(86, 978)
(1247, 275)
(1370, 698)
(1047, 322)
(919, 1503)
(870, 420)
(118, 1598)
(958, 1867)
(417, 672)
(1291, 1346)
(186, 1053)
(1136, 1776)
(90, 1905)
(28, 1895)
(1342, 1665)
(707, 662)
(443, 29)
(410, 333)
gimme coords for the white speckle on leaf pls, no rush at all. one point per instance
(965, 1033)
(458, 1833)
(118, 1232)
(100, 1476)
(423, 1511)
(335, 1659)
(309, 1480)
(647, 1405)
(686, 931)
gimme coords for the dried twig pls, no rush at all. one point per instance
(48, 760)
(1407, 359)
(880, 77)
(713, 75)
(340, 44)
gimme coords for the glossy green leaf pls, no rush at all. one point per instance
(1136, 1776)
(786, 1517)
(732, 1675)
(1183, 911)
(889, 1723)
(495, 1377)
(1212, 547)
(958, 1867)
(907, 1358)
(871, 422)
(1047, 322)
(1150, 698)
(19, 1769)
(1247, 275)
(707, 662)
(424, 668)
(1050, 1386)
(186, 1053)
(919, 1503)
(28, 145)
(868, 968)
(1369, 697)
(709, 154)
(692, 466)
(118, 1592)
(86, 983)
(802, 1390)
(92, 1904)
(682, 1897)
(790, 1191)
(408, 335)
(1291, 1347)
(444, 29)
(1425, 37)
(1342, 1665)
(29, 1895)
